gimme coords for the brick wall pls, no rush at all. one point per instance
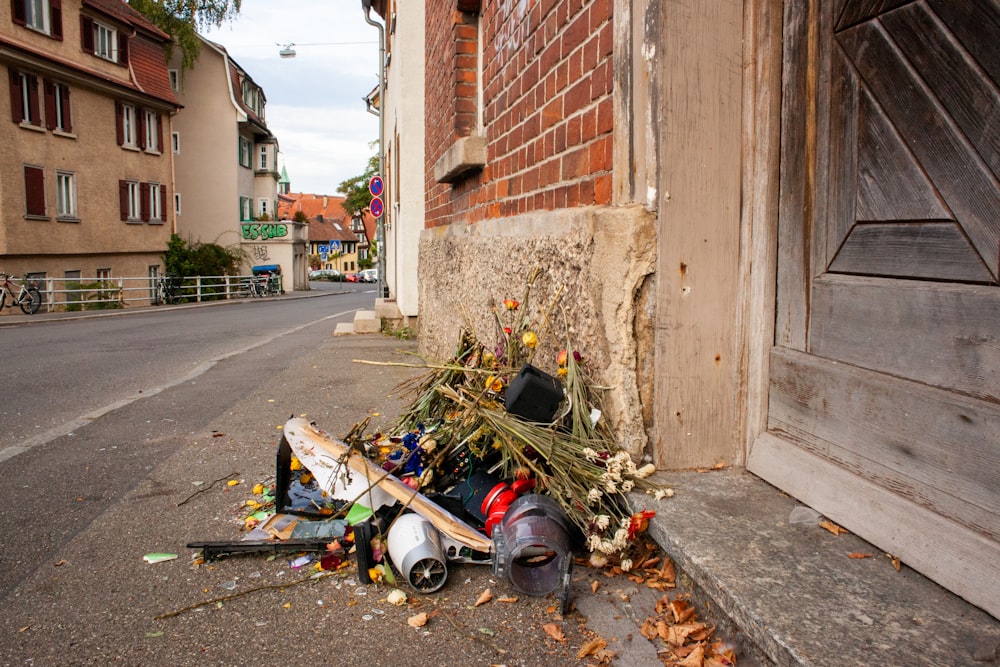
(547, 113)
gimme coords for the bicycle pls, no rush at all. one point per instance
(28, 297)
(168, 290)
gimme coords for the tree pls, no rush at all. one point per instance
(355, 190)
(181, 19)
(186, 258)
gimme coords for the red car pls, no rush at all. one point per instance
(350, 277)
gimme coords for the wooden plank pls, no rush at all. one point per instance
(697, 351)
(961, 560)
(954, 79)
(933, 250)
(944, 335)
(843, 183)
(976, 24)
(934, 448)
(794, 201)
(856, 11)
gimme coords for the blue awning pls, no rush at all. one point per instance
(266, 268)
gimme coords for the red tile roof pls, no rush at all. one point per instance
(119, 10)
(324, 212)
(148, 63)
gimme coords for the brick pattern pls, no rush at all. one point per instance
(547, 106)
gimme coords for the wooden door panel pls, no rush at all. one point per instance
(921, 443)
(976, 25)
(850, 12)
(896, 94)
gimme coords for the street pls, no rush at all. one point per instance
(120, 437)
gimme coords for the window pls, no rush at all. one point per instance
(103, 274)
(175, 80)
(177, 203)
(44, 16)
(34, 191)
(262, 208)
(129, 201)
(66, 194)
(128, 132)
(152, 131)
(244, 152)
(105, 42)
(57, 109)
(175, 139)
(246, 210)
(263, 158)
(151, 199)
(24, 107)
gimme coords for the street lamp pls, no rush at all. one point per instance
(286, 51)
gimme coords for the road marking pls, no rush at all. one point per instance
(70, 426)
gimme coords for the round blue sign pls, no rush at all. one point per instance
(375, 186)
(377, 207)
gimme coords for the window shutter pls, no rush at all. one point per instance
(122, 48)
(140, 123)
(163, 202)
(159, 133)
(36, 116)
(34, 190)
(120, 122)
(19, 12)
(55, 18)
(50, 104)
(16, 110)
(123, 199)
(87, 33)
(144, 201)
(67, 114)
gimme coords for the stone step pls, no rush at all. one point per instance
(792, 591)
(365, 321)
(344, 329)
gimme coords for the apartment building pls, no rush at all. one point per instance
(85, 174)
(226, 165)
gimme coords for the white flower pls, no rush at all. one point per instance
(607, 547)
(660, 494)
(593, 542)
(602, 521)
(610, 487)
(621, 538)
(594, 495)
(627, 485)
(589, 454)
(645, 471)
(626, 564)
(598, 560)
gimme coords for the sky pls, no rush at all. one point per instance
(315, 101)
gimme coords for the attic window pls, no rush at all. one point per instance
(337, 225)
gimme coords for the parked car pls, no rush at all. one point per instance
(368, 276)
(324, 274)
(351, 277)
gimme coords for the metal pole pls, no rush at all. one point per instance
(383, 289)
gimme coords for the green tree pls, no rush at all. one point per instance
(182, 19)
(355, 190)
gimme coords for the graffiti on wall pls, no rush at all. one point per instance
(262, 231)
(514, 27)
(259, 253)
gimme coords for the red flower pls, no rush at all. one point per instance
(511, 304)
(639, 522)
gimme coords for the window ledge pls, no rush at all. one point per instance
(68, 218)
(135, 149)
(150, 151)
(64, 134)
(32, 216)
(27, 125)
(466, 155)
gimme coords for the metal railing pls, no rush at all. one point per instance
(75, 294)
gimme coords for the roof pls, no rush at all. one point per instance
(117, 9)
(327, 218)
(148, 63)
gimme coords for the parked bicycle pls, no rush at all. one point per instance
(26, 296)
(168, 290)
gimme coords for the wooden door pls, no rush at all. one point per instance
(884, 396)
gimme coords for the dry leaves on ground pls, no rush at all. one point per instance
(687, 642)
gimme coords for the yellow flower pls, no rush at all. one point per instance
(494, 384)
(511, 304)
(529, 339)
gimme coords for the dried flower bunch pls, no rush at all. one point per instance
(574, 459)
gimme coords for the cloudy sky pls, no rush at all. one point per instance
(315, 102)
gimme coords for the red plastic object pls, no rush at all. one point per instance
(498, 500)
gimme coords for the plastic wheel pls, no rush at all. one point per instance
(31, 302)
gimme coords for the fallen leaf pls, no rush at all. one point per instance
(859, 555)
(667, 572)
(678, 634)
(896, 563)
(486, 631)
(650, 563)
(591, 647)
(218, 435)
(648, 629)
(682, 611)
(484, 597)
(417, 620)
(508, 600)
(63, 561)
(695, 659)
(594, 585)
(832, 527)
(554, 631)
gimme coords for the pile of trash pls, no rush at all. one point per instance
(495, 462)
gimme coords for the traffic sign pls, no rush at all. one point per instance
(376, 187)
(334, 246)
(377, 208)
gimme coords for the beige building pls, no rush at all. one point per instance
(222, 131)
(85, 177)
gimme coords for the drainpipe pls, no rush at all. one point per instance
(383, 287)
